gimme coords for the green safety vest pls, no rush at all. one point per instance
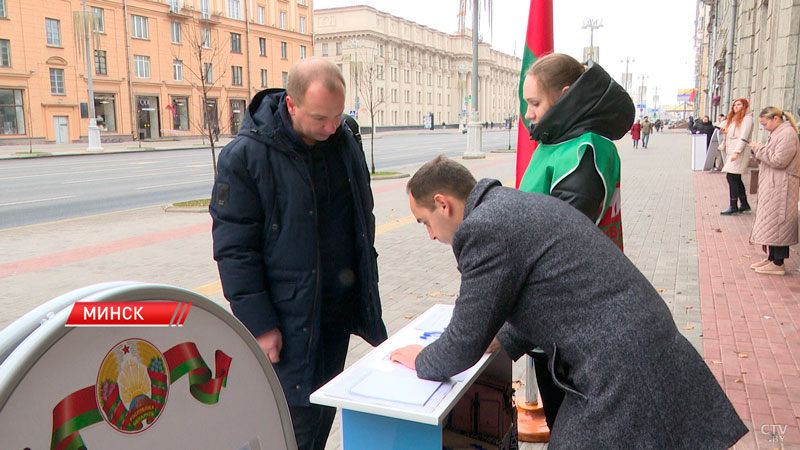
(552, 163)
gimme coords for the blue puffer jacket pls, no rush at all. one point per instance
(266, 239)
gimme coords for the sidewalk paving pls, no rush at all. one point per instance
(670, 222)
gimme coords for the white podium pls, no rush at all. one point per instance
(385, 406)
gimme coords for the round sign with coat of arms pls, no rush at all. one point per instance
(132, 386)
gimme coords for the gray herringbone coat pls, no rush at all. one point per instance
(544, 273)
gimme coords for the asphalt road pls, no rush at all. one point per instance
(47, 189)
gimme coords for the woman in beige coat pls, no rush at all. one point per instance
(775, 227)
(737, 136)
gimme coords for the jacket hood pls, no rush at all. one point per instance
(267, 120)
(594, 103)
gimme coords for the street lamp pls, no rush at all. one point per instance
(626, 77)
(592, 24)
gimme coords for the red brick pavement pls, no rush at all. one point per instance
(751, 321)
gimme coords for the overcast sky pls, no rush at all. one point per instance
(658, 35)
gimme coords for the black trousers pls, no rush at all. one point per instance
(736, 187)
(777, 254)
(313, 423)
(551, 394)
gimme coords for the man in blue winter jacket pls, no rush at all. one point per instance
(294, 237)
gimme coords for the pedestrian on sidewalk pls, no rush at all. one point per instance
(775, 227)
(738, 130)
(636, 133)
(647, 129)
(575, 114)
(294, 237)
(531, 269)
(705, 127)
(719, 159)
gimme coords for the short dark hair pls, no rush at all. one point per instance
(305, 72)
(440, 175)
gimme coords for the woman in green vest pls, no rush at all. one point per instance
(575, 114)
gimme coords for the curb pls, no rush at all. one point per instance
(171, 208)
(389, 177)
(109, 152)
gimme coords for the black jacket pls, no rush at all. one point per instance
(266, 239)
(594, 103)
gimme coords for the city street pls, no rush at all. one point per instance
(40, 190)
(744, 324)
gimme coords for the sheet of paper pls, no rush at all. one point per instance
(437, 320)
(401, 387)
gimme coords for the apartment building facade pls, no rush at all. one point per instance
(421, 71)
(749, 49)
(146, 70)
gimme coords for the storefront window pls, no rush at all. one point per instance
(180, 113)
(12, 115)
(105, 110)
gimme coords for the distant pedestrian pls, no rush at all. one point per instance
(737, 135)
(705, 127)
(636, 133)
(658, 124)
(775, 227)
(647, 128)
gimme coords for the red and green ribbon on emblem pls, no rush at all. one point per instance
(79, 409)
(538, 43)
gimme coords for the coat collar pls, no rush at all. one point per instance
(476, 195)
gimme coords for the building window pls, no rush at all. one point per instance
(53, 32)
(141, 66)
(262, 46)
(236, 73)
(177, 70)
(57, 81)
(408, 96)
(12, 113)
(408, 56)
(338, 48)
(263, 78)
(106, 112)
(139, 27)
(394, 53)
(394, 73)
(284, 78)
(301, 2)
(394, 95)
(302, 25)
(233, 9)
(100, 66)
(208, 70)
(380, 49)
(180, 113)
(3, 8)
(283, 50)
(236, 43)
(261, 14)
(205, 10)
(101, 23)
(430, 102)
(408, 76)
(380, 72)
(283, 20)
(324, 49)
(206, 37)
(5, 52)
(176, 32)
(302, 52)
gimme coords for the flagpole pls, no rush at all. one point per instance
(94, 131)
(474, 138)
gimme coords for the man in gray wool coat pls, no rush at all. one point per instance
(535, 271)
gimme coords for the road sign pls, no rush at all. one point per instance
(353, 113)
(641, 106)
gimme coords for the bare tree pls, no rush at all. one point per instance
(207, 65)
(370, 77)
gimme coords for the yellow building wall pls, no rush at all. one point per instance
(32, 59)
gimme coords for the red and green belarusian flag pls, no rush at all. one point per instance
(538, 43)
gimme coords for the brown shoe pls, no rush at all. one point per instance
(771, 269)
(761, 263)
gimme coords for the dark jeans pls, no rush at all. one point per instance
(551, 394)
(736, 187)
(312, 424)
